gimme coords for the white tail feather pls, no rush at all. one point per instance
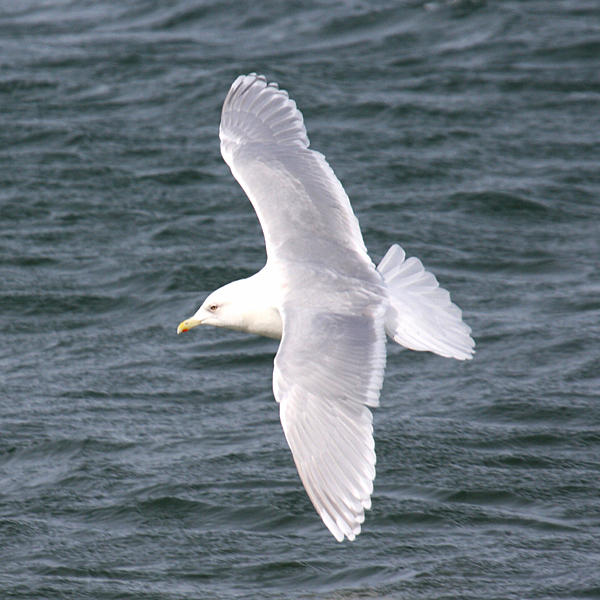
(421, 315)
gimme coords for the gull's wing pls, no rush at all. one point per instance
(298, 199)
(329, 367)
(328, 370)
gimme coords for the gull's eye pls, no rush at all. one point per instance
(213, 307)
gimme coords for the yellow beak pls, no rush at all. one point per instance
(188, 324)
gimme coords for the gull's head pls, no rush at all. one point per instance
(220, 309)
(243, 305)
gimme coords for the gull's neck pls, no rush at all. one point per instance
(256, 300)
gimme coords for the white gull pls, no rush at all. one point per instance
(321, 294)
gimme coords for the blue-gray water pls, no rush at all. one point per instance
(138, 464)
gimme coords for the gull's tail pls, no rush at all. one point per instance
(421, 315)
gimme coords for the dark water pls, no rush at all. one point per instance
(138, 464)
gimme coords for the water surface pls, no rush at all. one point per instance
(138, 464)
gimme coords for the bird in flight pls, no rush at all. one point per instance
(323, 297)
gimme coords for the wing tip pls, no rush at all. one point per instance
(280, 122)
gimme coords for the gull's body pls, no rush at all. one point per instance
(321, 294)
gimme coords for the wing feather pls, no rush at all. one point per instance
(296, 195)
(327, 422)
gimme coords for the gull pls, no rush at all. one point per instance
(323, 297)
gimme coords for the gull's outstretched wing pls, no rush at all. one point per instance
(299, 201)
(328, 370)
(329, 367)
